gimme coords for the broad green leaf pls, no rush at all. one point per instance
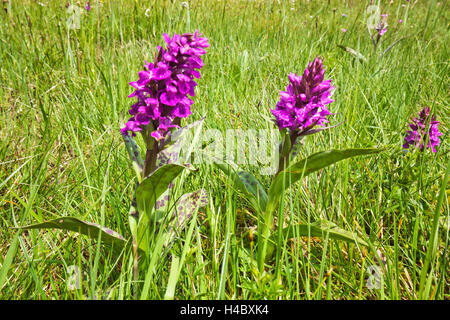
(152, 187)
(353, 52)
(319, 229)
(152, 194)
(311, 164)
(87, 228)
(144, 233)
(285, 147)
(248, 184)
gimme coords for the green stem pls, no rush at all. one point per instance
(264, 249)
(263, 239)
(285, 155)
(153, 148)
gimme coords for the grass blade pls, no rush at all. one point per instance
(9, 259)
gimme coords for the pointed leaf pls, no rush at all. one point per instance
(87, 228)
(307, 166)
(320, 229)
(6, 264)
(152, 187)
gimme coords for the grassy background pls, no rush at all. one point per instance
(63, 96)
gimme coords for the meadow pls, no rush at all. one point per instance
(64, 87)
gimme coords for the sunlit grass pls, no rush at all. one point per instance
(63, 97)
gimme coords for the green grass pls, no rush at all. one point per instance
(63, 97)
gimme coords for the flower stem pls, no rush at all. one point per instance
(263, 239)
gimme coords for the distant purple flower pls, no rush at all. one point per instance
(382, 31)
(382, 26)
(400, 21)
(303, 105)
(87, 6)
(418, 134)
(163, 86)
(344, 15)
(344, 30)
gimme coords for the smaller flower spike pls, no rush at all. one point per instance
(419, 135)
(303, 105)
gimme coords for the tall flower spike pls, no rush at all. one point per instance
(418, 134)
(303, 105)
(163, 86)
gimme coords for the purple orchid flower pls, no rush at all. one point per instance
(419, 134)
(163, 86)
(303, 105)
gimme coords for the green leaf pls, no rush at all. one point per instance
(8, 260)
(87, 228)
(248, 184)
(285, 143)
(152, 187)
(319, 229)
(173, 278)
(311, 164)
